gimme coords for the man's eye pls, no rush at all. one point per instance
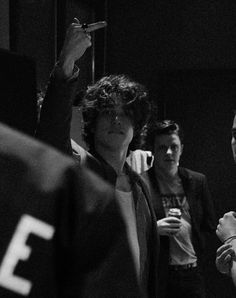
(174, 147)
(162, 148)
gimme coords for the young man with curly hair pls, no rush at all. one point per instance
(114, 111)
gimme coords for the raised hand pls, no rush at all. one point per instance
(227, 226)
(76, 42)
(224, 258)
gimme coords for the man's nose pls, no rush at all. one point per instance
(116, 119)
(169, 150)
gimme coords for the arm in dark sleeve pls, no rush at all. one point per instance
(209, 222)
(56, 113)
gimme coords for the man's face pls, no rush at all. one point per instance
(233, 140)
(114, 129)
(167, 152)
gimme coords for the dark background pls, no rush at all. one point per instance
(183, 51)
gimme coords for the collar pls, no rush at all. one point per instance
(107, 172)
(183, 173)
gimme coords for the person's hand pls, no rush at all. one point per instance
(224, 258)
(76, 42)
(227, 226)
(169, 226)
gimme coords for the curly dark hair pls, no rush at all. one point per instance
(156, 128)
(109, 92)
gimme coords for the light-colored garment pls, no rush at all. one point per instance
(181, 247)
(140, 160)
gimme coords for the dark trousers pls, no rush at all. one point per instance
(187, 283)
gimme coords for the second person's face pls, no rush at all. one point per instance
(167, 152)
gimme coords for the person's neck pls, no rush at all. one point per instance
(166, 174)
(115, 158)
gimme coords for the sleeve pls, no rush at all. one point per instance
(209, 221)
(56, 113)
(233, 269)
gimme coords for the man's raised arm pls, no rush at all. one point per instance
(56, 113)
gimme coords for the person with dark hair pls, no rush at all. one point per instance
(114, 110)
(226, 230)
(111, 93)
(183, 209)
(60, 226)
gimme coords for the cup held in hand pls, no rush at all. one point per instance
(176, 212)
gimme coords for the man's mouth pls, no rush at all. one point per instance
(119, 132)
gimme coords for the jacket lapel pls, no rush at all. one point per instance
(188, 186)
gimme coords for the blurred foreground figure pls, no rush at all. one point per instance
(226, 231)
(60, 227)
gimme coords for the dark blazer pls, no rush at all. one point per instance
(201, 211)
(54, 128)
(146, 221)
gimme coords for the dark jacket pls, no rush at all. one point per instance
(201, 211)
(54, 128)
(146, 220)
